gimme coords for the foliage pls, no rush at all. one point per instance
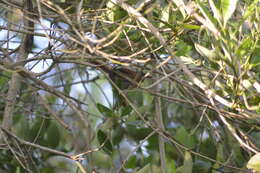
(254, 163)
(129, 86)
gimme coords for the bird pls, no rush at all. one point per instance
(125, 78)
(122, 76)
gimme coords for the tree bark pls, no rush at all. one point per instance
(23, 52)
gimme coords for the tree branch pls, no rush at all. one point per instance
(14, 84)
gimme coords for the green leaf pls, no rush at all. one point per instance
(182, 48)
(183, 137)
(47, 170)
(110, 12)
(255, 60)
(153, 143)
(254, 163)
(216, 10)
(190, 60)
(103, 139)
(170, 166)
(117, 136)
(211, 21)
(187, 165)
(53, 135)
(190, 26)
(180, 4)
(165, 16)
(38, 129)
(108, 123)
(172, 27)
(137, 133)
(208, 148)
(250, 9)
(201, 166)
(205, 52)
(114, 12)
(220, 153)
(3, 80)
(105, 110)
(131, 162)
(244, 47)
(119, 14)
(126, 110)
(228, 8)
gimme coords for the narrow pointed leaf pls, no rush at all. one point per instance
(105, 110)
(211, 22)
(228, 8)
(216, 10)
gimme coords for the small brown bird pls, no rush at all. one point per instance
(125, 78)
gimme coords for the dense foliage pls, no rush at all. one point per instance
(129, 86)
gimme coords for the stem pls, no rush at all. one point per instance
(159, 119)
